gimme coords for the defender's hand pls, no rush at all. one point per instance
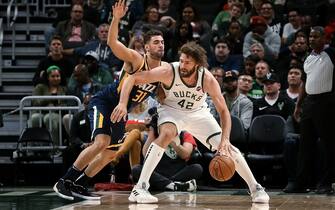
(119, 112)
(119, 9)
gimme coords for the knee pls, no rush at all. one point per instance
(101, 143)
(136, 133)
(197, 170)
(165, 138)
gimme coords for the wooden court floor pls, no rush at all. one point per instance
(207, 200)
(45, 198)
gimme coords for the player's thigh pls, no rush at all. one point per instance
(205, 128)
(99, 119)
(168, 116)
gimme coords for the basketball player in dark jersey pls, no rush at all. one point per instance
(106, 135)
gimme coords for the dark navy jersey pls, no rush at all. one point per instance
(138, 94)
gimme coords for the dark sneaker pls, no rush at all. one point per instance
(189, 186)
(82, 192)
(62, 188)
(192, 185)
(324, 190)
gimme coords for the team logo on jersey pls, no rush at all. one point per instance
(198, 88)
(280, 105)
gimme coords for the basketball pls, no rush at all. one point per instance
(222, 168)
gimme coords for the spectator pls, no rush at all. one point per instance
(201, 28)
(220, 23)
(183, 33)
(79, 136)
(60, 14)
(235, 36)
(149, 19)
(52, 87)
(96, 12)
(99, 76)
(268, 13)
(250, 64)
(256, 7)
(56, 58)
(298, 50)
(294, 80)
(223, 59)
(165, 8)
(261, 33)
(258, 50)
(137, 43)
(293, 25)
(293, 132)
(244, 83)
(257, 90)
(75, 32)
(238, 104)
(218, 73)
(316, 9)
(107, 59)
(317, 112)
(80, 85)
(273, 102)
(134, 13)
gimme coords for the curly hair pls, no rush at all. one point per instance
(195, 51)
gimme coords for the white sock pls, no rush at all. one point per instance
(242, 168)
(153, 156)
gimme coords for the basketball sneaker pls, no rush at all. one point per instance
(82, 192)
(259, 195)
(62, 188)
(192, 185)
(141, 195)
(189, 186)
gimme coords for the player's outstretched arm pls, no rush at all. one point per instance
(211, 86)
(161, 74)
(119, 49)
(120, 111)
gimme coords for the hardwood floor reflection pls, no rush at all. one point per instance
(209, 200)
(233, 199)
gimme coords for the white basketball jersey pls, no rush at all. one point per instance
(183, 97)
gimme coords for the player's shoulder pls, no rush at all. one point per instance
(207, 74)
(163, 63)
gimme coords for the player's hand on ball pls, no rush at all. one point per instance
(224, 148)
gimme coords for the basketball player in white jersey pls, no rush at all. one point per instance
(186, 84)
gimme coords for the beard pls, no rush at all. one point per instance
(185, 73)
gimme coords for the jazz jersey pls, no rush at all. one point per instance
(138, 93)
(183, 97)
